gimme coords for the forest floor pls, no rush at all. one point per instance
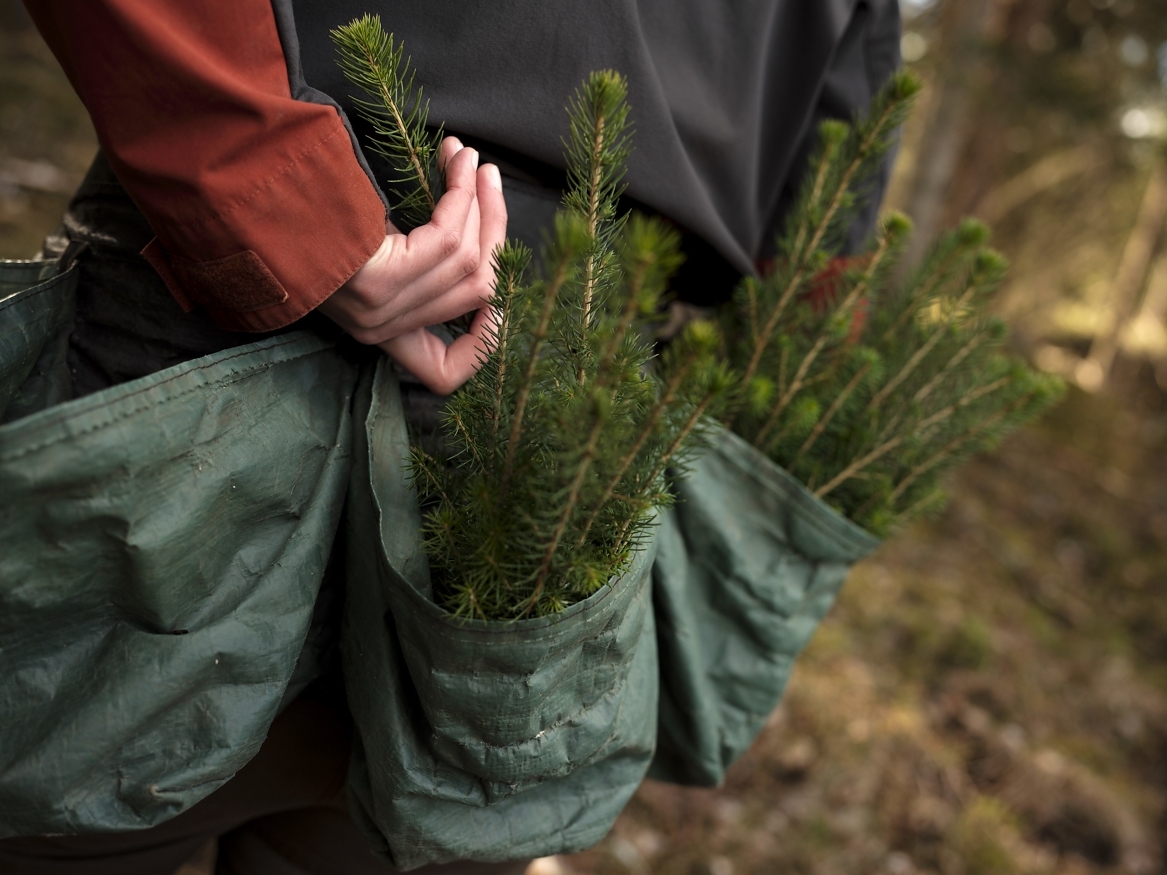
(989, 695)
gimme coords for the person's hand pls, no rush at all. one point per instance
(437, 272)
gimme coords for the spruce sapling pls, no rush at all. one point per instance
(557, 449)
(847, 158)
(866, 392)
(397, 113)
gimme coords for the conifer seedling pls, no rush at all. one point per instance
(559, 448)
(863, 391)
(397, 112)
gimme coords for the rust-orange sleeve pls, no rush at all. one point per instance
(259, 205)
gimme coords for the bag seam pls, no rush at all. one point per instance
(32, 291)
(229, 379)
(792, 495)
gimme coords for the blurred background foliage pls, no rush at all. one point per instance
(990, 693)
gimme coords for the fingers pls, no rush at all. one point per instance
(405, 272)
(463, 261)
(442, 236)
(439, 254)
(492, 207)
(449, 148)
(467, 292)
(441, 368)
(439, 271)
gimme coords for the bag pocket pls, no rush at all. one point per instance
(748, 563)
(19, 276)
(481, 740)
(36, 310)
(161, 546)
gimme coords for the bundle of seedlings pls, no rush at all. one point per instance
(557, 449)
(865, 390)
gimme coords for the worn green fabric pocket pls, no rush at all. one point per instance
(748, 564)
(19, 276)
(481, 740)
(161, 547)
(36, 308)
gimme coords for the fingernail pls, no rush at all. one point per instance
(457, 143)
(492, 176)
(474, 158)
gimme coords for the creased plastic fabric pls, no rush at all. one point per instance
(36, 305)
(161, 546)
(748, 564)
(162, 543)
(481, 740)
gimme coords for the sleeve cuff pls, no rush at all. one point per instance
(282, 249)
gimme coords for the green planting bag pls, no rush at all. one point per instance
(748, 564)
(36, 306)
(162, 543)
(475, 739)
(21, 276)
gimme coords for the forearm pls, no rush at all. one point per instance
(260, 207)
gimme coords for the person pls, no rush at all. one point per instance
(232, 199)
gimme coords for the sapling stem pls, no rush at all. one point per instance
(646, 432)
(428, 474)
(820, 180)
(845, 306)
(673, 447)
(953, 363)
(796, 385)
(918, 356)
(502, 331)
(946, 451)
(461, 426)
(936, 418)
(839, 193)
(538, 336)
(403, 131)
(926, 390)
(569, 508)
(859, 464)
(825, 419)
(932, 283)
(627, 315)
(593, 217)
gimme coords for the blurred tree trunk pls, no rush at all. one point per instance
(962, 25)
(1044, 174)
(961, 151)
(1129, 279)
